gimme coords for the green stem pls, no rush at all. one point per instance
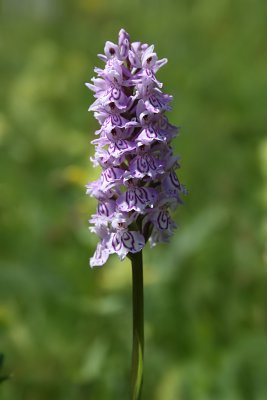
(138, 326)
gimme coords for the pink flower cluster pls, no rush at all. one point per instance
(138, 185)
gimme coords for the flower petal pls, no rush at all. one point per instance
(100, 256)
(137, 199)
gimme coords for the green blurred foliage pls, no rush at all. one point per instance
(66, 330)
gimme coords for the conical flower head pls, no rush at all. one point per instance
(138, 185)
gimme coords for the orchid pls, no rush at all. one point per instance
(133, 148)
(138, 187)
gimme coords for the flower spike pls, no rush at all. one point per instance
(138, 185)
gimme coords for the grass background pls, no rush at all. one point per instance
(66, 330)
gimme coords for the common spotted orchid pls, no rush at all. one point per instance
(138, 183)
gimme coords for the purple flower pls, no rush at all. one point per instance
(124, 241)
(138, 186)
(138, 199)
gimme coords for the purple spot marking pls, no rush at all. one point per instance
(116, 94)
(116, 243)
(163, 220)
(116, 120)
(131, 198)
(121, 144)
(150, 132)
(142, 165)
(151, 162)
(109, 174)
(103, 209)
(155, 102)
(174, 180)
(128, 240)
(141, 194)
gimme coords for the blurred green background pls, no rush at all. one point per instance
(65, 329)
